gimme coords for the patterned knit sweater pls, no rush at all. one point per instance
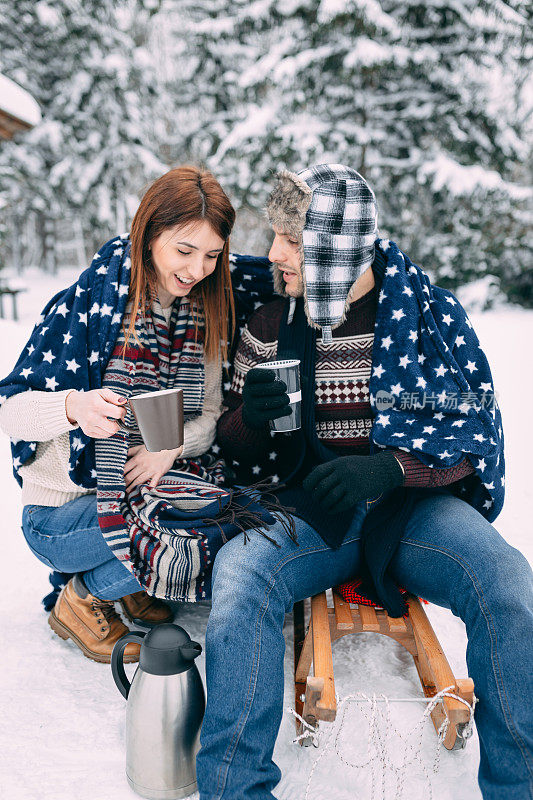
(343, 413)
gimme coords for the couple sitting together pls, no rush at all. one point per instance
(394, 477)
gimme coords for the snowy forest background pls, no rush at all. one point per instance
(430, 100)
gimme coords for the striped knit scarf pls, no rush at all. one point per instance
(152, 531)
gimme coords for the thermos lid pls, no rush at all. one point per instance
(168, 650)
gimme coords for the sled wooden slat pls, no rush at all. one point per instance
(315, 693)
(343, 615)
(369, 618)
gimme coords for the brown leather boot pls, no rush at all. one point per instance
(91, 623)
(142, 609)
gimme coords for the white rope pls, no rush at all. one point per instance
(382, 740)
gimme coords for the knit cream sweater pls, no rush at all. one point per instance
(41, 417)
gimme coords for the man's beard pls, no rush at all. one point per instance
(297, 288)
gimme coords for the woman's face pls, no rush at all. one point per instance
(182, 257)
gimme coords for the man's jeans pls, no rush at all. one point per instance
(449, 555)
(68, 538)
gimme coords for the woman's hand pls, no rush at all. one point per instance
(91, 410)
(145, 467)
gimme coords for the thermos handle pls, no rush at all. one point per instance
(117, 664)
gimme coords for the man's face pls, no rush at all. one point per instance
(285, 252)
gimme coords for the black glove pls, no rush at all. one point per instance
(264, 398)
(340, 484)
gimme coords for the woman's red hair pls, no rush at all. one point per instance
(181, 197)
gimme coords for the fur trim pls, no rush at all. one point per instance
(288, 203)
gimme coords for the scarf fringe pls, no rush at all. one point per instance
(242, 517)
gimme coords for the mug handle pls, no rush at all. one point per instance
(122, 425)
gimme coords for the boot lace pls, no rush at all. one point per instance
(104, 607)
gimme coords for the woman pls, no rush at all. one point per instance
(151, 312)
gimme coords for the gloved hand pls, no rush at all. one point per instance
(264, 398)
(340, 484)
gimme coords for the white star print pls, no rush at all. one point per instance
(398, 434)
(62, 309)
(378, 371)
(410, 421)
(421, 358)
(101, 270)
(272, 456)
(449, 437)
(485, 387)
(447, 318)
(83, 318)
(481, 464)
(392, 270)
(66, 338)
(459, 341)
(408, 291)
(440, 370)
(93, 358)
(425, 289)
(471, 366)
(479, 437)
(503, 480)
(79, 291)
(468, 323)
(256, 470)
(417, 443)
(51, 383)
(397, 389)
(487, 504)
(72, 365)
(413, 335)
(383, 419)
(116, 318)
(489, 485)
(31, 348)
(26, 372)
(93, 473)
(118, 251)
(386, 342)
(404, 361)
(16, 462)
(458, 423)
(429, 429)
(43, 331)
(123, 289)
(421, 383)
(397, 314)
(439, 415)
(95, 308)
(105, 310)
(451, 301)
(275, 479)
(382, 296)
(464, 408)
(441, 397)
(77, 443)
(445, 454)
(48, 356)
(215, 448)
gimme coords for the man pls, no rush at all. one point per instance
(395, 476)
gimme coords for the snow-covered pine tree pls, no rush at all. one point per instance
(402, 91)
(94, 149)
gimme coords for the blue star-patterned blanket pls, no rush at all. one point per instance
(70, 347)
(431, 386)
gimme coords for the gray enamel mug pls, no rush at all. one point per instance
(159, 416)
(288, 371)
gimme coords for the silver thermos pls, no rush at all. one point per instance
(166, 704)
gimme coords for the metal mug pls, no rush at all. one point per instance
(288, 371)
(159, 416)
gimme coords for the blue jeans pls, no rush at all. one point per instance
(68, 538)
(450, 555)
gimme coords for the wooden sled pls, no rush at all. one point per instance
(315, 694)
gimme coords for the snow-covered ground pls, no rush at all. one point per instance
(63, 719)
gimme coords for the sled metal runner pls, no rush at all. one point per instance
(315, 694)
